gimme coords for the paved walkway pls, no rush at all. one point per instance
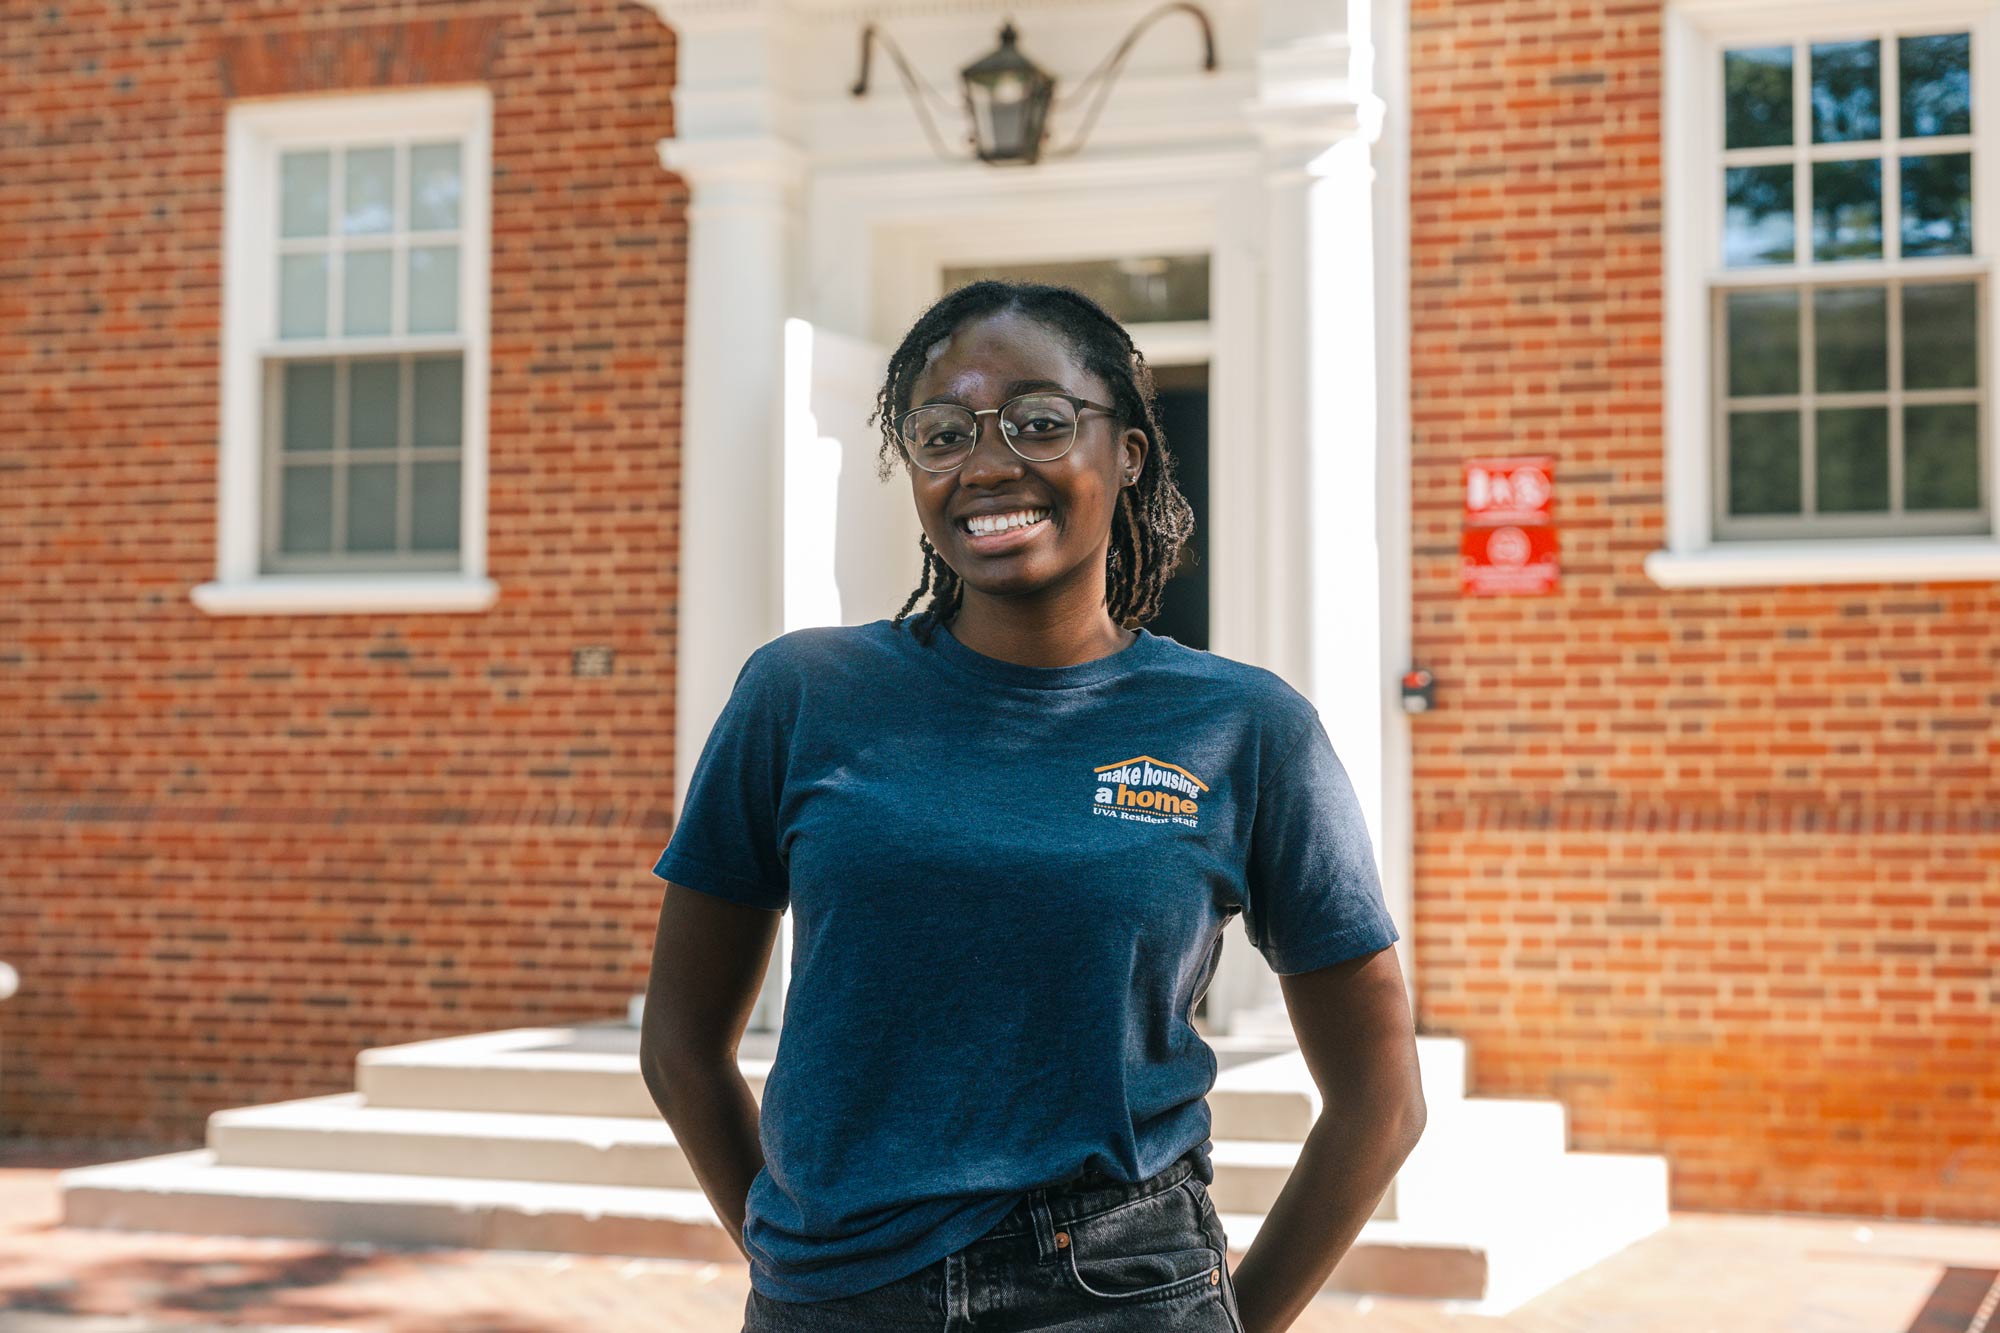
(1706, 1273)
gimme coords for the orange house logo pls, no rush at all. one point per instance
(1149, 791)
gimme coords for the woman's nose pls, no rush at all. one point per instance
(990, 447)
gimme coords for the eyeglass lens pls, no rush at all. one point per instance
(1039, 427)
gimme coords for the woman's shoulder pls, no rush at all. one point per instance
(814, 648)
(1258, 686)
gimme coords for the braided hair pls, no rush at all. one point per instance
(1153, 520)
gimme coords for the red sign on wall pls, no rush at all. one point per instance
(1508, 544)
(1507, 560)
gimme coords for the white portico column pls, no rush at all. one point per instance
(1332, 632)
(743, 235)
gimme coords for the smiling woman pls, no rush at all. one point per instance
(1075, 432)
(1011, 833)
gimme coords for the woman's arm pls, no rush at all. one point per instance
(1355, 1031)
(709, 957)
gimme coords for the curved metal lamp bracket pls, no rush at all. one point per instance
(1110, 66)
(1102, 77)
(913, 84)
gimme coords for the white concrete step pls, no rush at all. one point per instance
(189, 1192)
(1591, 1206)
(546, 1138)
(1274, 1096)
(1478, 1154)
(342, 1133)
(1443, 1062)
(1263, 1089)
(1587, 1207)
(589, 1070)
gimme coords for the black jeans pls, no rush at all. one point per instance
(1095, 1255)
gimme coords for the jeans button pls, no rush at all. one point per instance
(1062, 1239)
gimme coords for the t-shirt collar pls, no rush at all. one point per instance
(1109, 667)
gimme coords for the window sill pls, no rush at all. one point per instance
(1754, 564)
(303, 594)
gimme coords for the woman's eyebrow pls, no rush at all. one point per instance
(1016, 387)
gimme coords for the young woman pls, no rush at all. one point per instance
(1011, 830)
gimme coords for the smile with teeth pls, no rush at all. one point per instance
(981, 525)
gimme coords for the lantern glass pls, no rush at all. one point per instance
(1008, 97)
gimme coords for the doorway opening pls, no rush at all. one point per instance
(1183, 391)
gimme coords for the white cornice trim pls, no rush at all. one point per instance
(1305, 128)
(738, 159)
(947, 187)
(713, 13)
(1742, 17)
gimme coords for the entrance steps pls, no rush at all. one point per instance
(547, 1139)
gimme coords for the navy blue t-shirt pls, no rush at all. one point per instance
(1008, 885)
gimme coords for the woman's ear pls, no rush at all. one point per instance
(1136, 445)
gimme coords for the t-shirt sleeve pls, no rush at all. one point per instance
(725, 841)
(1314, 896)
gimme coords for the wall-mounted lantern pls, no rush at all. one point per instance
(1008, 98)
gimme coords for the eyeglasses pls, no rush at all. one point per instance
(1040, 427)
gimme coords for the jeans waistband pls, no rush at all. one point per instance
(1088, 1193)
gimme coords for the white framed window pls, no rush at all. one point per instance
(1831, 225)
(355, 354)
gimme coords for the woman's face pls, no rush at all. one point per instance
(982, 364)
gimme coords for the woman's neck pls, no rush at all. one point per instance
(1027, 635)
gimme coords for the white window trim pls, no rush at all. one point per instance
(1695, 32)
(257, 130)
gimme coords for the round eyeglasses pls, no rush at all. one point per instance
(1040, 427)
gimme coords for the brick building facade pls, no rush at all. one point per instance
(1717, 866)
(241, 847)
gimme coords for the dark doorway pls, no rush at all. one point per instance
(1183, 394)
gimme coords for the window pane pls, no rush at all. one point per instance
(371, 404)
(302, 283)
(1847, 209)
(1941, 336)
(308, 405)
(434, 185)
(1937, 85)
(1757, 97)
(306, 510)
(433, 288)
(438, 395)
(1763, 463)
(1758, 226)
(371, 507)
(1139, 288)
(1764, 341)
(305, 191)
(1937, 204)
(371, 192)
(364, 296)
(1851, 457)
(1846, 91)
(1851, 339)
(1941, 456)
(434, 500)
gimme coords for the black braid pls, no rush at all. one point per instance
(1152, 521)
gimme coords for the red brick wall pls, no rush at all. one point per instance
(238, 849)
(1720, 869)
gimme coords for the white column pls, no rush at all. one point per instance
(743, 232)
(1334, 624)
